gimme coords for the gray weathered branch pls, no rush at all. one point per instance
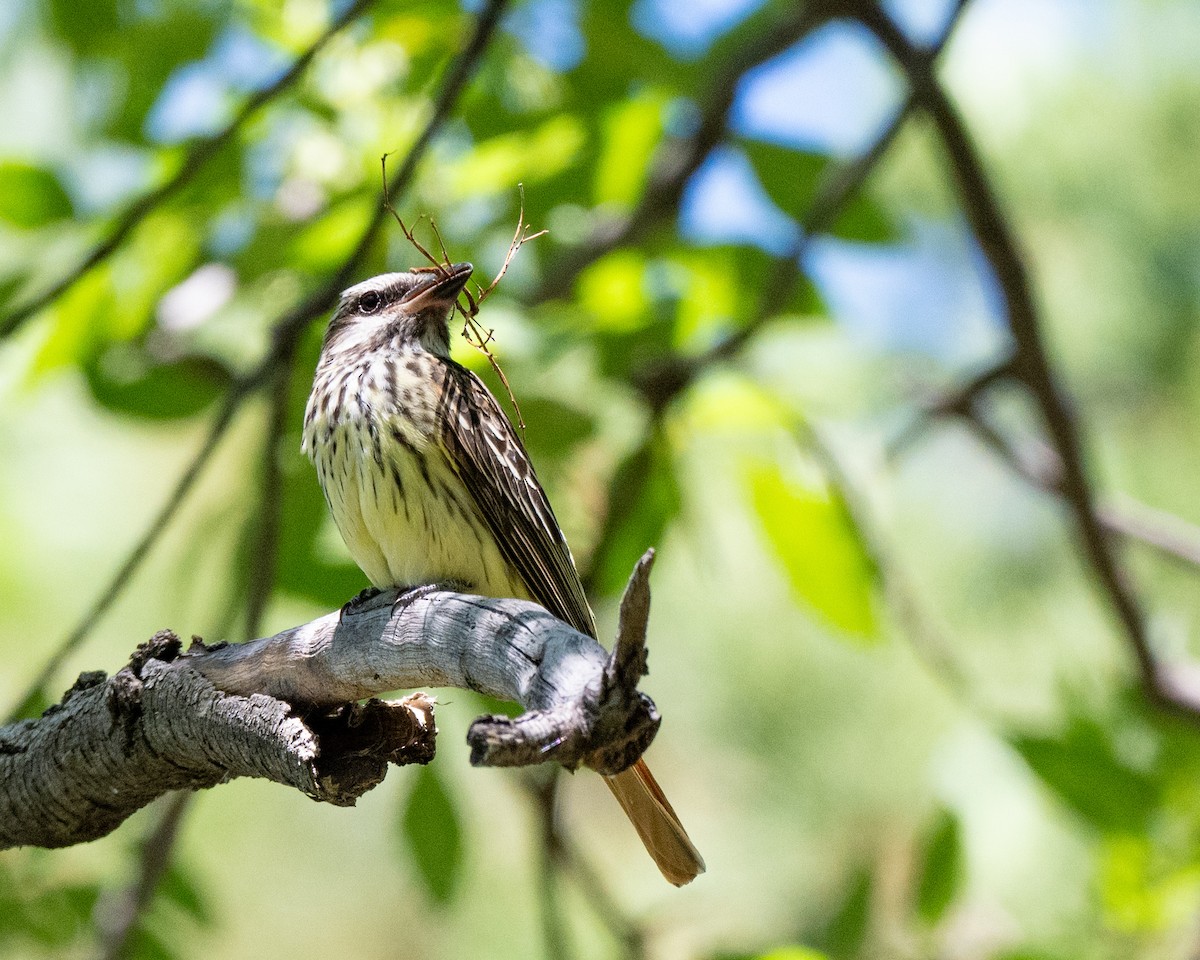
(285, 708)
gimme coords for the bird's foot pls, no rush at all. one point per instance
(353, 605)
(410, 596)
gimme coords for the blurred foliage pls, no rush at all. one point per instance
(432, 833)
(976, 782)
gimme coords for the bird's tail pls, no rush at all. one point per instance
(650, 813)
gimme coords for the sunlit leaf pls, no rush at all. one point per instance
(613, 291)
(941, 870)
(31, 196)
(529, 156)
(77, 319)
(821, 550)
(731, 403)
(779, 953)
(324, 243)
(632, 129)
(433, 835)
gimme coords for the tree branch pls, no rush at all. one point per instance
(286, 330)
(281, 708)
(1164, 684)
(115, 744)
(200, 153)
(677, 159)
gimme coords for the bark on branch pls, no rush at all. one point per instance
(285, 708)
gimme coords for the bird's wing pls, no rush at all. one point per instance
(490, 459)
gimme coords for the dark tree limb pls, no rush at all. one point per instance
(115, 744)
(677, 159)
(1171, 686)
(1039, 465)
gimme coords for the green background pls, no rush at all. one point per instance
(900, 720)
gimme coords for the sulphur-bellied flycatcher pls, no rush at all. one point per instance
(428, 482)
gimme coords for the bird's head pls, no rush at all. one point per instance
(398, 308)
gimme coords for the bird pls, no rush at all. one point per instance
(428, 482)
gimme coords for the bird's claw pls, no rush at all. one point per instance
(352, 605)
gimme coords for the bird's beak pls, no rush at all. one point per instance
(440, 289)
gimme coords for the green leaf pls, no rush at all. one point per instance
(158, 45)
(56, 917)
(123, 380)
(84, 25)
(779, 953)
(864, 220)
(790, 177)
(433, 835)
(613, 291)
(1083, 770)
(632, 129)
(31, 196)
(822, 551)
(553, 429)
(942, 868)
(144, 945)
(846, 930)
(643, 498)
(529, 156)
(180, 889)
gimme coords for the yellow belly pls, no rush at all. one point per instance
(404, 525)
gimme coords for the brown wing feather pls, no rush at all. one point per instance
(489, 457)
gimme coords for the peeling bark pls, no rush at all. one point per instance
(285, 708)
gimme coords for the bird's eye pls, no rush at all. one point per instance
(370, 302)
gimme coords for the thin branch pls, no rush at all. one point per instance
(554, 928)
(200, 153)
(961, 401)
(286, 331)
(1041, 467)
(571, 863)
(264, 551)
(678, 159)
(91, 618)
(998, 243)
(1172, 536)
(664, 379)
(118, 918)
